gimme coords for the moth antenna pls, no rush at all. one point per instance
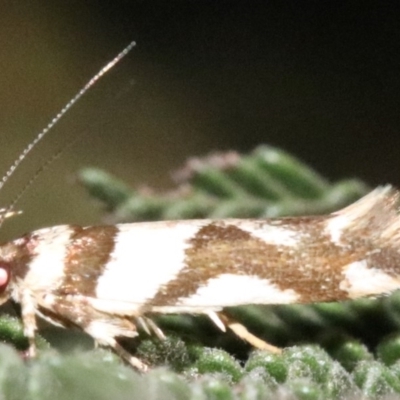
(17, 162)
(9, 211)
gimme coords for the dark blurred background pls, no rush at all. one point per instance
(319, 79)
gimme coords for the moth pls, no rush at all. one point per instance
(109, 280)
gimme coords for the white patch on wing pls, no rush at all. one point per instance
(229, 290)
(335, 227)
(46, 268)
(146, 256)
(363, 281)
(271, 234)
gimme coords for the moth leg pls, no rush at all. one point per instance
(242, 332)
(102, 327)
(150, 327)
(104, 334)
(141, 321)
(28, 311)
(217, 320)
(156, 330)
(125, 355)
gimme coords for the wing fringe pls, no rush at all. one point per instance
(377, 214)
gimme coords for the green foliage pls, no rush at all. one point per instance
(353, 350)
(266, 183)
(11, 331)
(301, 372)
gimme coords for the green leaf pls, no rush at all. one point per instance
(266, 183)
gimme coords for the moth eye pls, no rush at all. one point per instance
(4, 275)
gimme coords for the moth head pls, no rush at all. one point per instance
(5, 276)
(5, 270)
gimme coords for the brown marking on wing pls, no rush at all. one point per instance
(313, 268)
(86, 258)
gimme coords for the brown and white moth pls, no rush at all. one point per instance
(108, 280)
